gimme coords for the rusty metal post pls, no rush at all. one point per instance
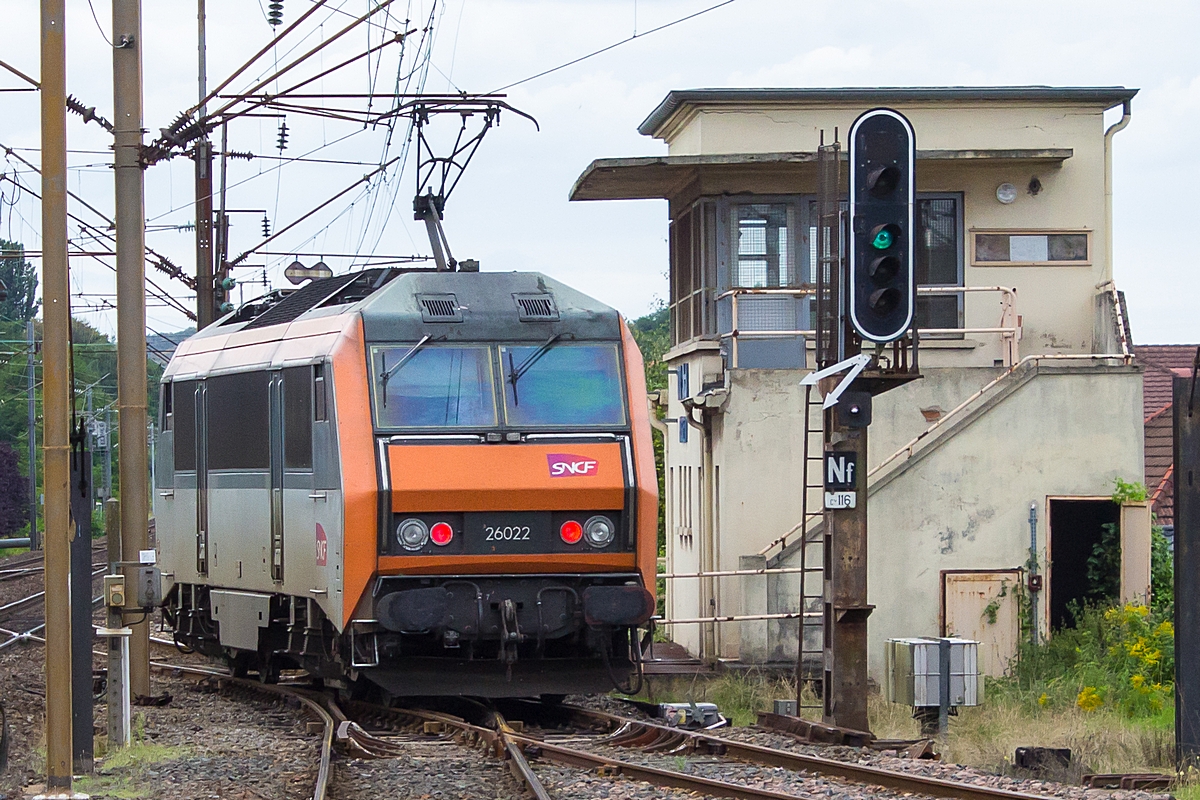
(56, 395)
(131, 311)
(1186, 426)
(846, 593)
(205, 311)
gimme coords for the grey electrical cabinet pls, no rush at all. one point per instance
(914, 676)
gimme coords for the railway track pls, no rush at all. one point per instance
(22, 618)
(530, 737)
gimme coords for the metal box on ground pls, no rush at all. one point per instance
(913, 674)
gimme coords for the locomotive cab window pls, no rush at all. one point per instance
(164, 403)
(433, 386)
(558, 384)
(183, 402)
(297, 419)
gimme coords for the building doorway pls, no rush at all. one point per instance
(1077, 531)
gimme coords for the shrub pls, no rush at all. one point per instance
(1120, 657)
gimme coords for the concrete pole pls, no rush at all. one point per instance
(204, 197)
(131, 311)
(35, 541)
(56, 394)
(846, 688)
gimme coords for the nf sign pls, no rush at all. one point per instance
(841, 471)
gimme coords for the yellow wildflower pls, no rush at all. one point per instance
(1165, 628)
(1137, 681)
(1044, 700)
(1089, 699)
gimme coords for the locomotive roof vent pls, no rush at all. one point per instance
(536, 306)
(440, 308)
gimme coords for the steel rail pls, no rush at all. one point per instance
(501, 740)
(671, 779)
(757, 754)
(341, 727)
(323, 769)
(24, 601)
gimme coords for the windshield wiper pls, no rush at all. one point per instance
(515, 373)
(387, 374)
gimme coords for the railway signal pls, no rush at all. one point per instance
(882, 286)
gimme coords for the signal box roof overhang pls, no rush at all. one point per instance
(664, 177)
(682, 101)
(744, 153)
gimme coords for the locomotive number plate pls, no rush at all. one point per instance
(508, 532)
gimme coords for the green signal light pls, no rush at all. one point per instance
(883, 239)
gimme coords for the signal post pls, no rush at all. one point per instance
(875, 304)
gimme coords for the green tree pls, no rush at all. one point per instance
(653, 336)
(19, 276)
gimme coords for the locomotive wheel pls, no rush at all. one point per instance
(239, 664)
(268, 671)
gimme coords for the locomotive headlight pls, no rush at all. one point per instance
(599, 531)
(412, 534)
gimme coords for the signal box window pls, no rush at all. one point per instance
(434, 387)
(239, 421)
(937, 256)
(297, 418)
(562, 384)
(937, 260)
(763, 246)
(1030, 249)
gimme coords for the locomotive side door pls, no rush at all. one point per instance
(277, 400)
(201, 453)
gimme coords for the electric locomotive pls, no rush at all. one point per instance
(439, 481)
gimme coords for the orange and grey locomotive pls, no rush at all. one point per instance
(440, 481)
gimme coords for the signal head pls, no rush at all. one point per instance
(882, 282)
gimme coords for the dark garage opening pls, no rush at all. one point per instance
(1076, 527)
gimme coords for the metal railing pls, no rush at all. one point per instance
(1009, 327)
(735, 331)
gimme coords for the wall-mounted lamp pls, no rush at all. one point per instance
(1006, 193)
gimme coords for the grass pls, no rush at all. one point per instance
(738, 695)
(119, 772)
(1104, 740)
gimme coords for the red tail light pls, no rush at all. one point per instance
(441, 533)
(571, 532)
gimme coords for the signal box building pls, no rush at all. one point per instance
(1030, 401)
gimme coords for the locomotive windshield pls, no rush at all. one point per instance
(434, 387)
(562, 384)
(557, 384)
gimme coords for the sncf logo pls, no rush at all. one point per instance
(565, 465)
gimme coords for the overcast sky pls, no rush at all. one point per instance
(511, 211)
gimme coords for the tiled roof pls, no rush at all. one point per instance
(1158, 463)
(1159, 360)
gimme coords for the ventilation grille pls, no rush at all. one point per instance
(536, 306)
(439, 308)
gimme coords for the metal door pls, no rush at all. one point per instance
(276, 392)
(983, 606)
(201, 434)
